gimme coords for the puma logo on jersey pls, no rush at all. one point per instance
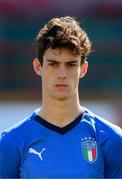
(39, 154)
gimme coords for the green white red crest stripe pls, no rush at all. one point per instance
(90, 155)
(89, 150)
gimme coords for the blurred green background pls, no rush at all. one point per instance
(21, 20)
(19, 24)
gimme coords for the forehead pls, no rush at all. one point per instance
(60, 54)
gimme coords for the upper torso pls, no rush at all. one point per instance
(78, 150)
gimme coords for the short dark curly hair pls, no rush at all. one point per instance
(63, 32)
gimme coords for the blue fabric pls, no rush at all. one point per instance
(90, 149)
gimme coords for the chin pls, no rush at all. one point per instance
(61, 98)
(62, 95)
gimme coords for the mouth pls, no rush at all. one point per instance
(61, 85)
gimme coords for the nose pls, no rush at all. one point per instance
(62, 73)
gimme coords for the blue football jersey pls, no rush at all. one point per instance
(88, 147)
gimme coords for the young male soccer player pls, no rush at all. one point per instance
(62, 139)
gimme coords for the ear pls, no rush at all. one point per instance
(84, 68)
(37, 66)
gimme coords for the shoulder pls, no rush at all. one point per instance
(106, 132)
(109, 140)
(13, 143)
(15, 134)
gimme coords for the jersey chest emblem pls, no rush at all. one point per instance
(89, 150)
(39, 154)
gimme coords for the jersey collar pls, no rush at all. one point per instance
(60, 130)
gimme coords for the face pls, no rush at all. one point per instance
(61, 71)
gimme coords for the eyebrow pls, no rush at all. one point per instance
(50, 60)
(73, 61)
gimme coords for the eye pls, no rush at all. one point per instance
(53, 64)
(72, 64)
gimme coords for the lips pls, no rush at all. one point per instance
(61, 85)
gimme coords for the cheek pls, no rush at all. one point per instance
(76, 74)
(75, 78)
(47, 79)
(45, 73)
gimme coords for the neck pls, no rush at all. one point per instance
(60, 113)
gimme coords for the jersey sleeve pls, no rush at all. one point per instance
(113, 155)
(9, 157)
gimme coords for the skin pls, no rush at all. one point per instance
(60, 73)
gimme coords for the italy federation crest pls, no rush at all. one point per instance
(89, 150)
